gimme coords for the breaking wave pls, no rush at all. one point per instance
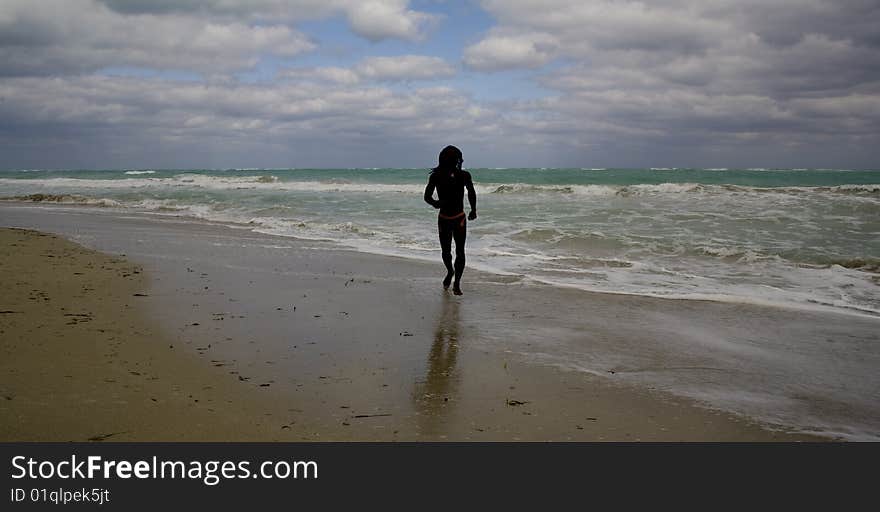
(64, 199)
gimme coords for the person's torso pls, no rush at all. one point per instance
(450, 190)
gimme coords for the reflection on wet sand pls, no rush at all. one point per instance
(434, 395)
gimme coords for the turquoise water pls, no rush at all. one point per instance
(796, 238)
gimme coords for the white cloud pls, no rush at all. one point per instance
(532, 33)
(401, 68)
(508, 49)
(582, 27)
(50, 37)
(381, 19)
(332, 74)
(372, 19)
(60, 36)
(404, 67)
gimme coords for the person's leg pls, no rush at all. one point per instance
(460, 234)
(446, 249)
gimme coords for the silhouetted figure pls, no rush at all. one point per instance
(450, 181)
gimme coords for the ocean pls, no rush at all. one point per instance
(798, 238)
(800, 241)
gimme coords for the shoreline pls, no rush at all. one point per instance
(461, 393)
(499, 275)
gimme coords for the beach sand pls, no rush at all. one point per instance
(81, 362)
(327, 345)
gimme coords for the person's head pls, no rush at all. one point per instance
(450, 158)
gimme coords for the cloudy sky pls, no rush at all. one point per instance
(347, 83)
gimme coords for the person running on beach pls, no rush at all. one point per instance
(450, 181)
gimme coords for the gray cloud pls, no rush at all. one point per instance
(783, 23)
(291, 117)
(725, 73)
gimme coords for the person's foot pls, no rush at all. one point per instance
(457, 289)
(447, 280)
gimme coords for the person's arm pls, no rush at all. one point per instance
(429, 194)
(472, 196)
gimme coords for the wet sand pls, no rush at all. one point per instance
(98, 347)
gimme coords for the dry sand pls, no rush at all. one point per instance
(83, 358)
(81, 362)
